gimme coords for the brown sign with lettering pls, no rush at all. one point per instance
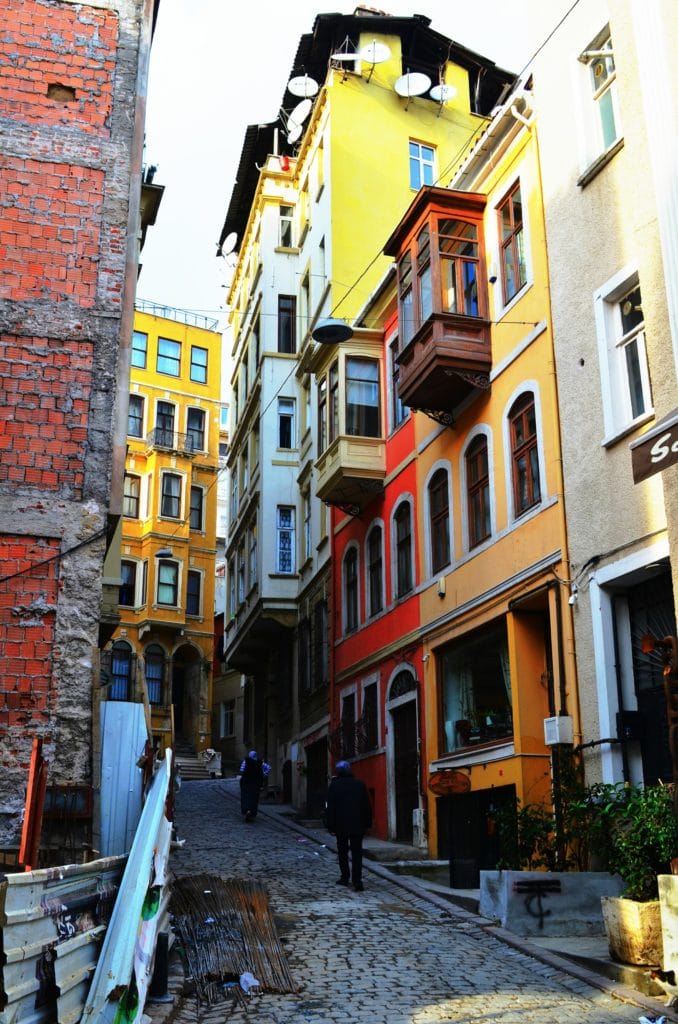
(655, 450)
(442, 783)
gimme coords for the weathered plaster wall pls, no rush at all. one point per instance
(68, 82)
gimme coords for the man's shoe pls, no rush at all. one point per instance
(248, 816)
(358, 886)
(342, 881)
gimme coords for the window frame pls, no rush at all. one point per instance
(201, 378)
(128, 584)
(195, 437)
(136, 408)
(478, 492)
(403, 551)
(165, 414)
(139, 353)
(374, 570)
(130, 500)
(197, 508)
(120, 687)
(287, 324)
(154, 655)
(281, 531)
(166, 565)
(287, 408)
(513, 243)
(527, 449)
(364, 411)
(167, 358)
(166, 496)
(618, 417)
(350, 574)
(192, 593)
(422, 170)
(439, 520)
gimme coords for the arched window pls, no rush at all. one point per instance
(121, 671)
(154, 660)
(351, 590)
(524, 454)
(403, 683)
(439, 512)
(478, 491)
(403, 549)
(375, 570)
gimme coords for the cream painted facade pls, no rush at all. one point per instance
(310, 226)
(605, 89)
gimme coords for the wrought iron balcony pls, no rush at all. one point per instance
(162, 439)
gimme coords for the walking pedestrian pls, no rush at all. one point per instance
(349, 815)
(253, 773)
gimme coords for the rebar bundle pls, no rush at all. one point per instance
(226, 930)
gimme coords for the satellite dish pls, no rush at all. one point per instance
(299, 114)
(443, 93)
(231, 259)
(294, 133)
(302, 86)
(375, 53)
(414, 83)
(228, 244)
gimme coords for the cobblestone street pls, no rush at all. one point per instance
(383, 956)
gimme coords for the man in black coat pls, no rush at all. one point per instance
(349, 815)
(253, 774)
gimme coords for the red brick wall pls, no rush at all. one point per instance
(57, 63)
(50, 225)
(27, 620)
(45, 388)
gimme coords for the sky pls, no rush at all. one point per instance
(218, 66)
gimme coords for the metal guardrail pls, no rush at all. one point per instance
(181, 316)
(172, 440)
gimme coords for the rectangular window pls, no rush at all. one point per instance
(253, 553)
(513, 270)
(405, 299)
(603, 82)
(287, 323)
(231, 588)
(195, 430)
(422, 163)
(333, 418)
(170, 502)
(322, 415)
(478, 487)
(198, 364)
(227, 716)
(620, 326)
(130, 496)
(459, 256)
(369, 731)
(525, 454)
(135, 416)
(286, 424)
(196, 514)
(348, 726)
(139, 349)
(169, 357)
(305, 305)
(476, 689)
(242, 573)
(128, 575)
(164, 425)
(306, 500)
(351, 590)
(284, 560)
(144, 583)
(375, 570)
(403, 545)
(168, 583)
(193, 589)
(362, 397)
(398, 410)
(286, 227)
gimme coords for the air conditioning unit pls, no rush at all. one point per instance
(558, 730)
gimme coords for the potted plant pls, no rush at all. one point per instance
(641, 832)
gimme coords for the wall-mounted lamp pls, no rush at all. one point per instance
(441, 587)
(164, 553)
(574, 594)
(329, 331)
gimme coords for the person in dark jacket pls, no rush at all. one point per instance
(349, 815)
(253, 774)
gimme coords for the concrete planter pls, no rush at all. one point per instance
(634, 930)
(668, 908)
(547, 903)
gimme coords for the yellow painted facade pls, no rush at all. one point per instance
(516, 577)
(169, 527)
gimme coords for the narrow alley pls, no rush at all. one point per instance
(384, 956)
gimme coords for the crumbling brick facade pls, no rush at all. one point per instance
(71, 110)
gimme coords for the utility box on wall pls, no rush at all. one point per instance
(558, 730)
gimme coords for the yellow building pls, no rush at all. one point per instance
(476, 354)
(162, 651)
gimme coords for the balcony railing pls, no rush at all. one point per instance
(172, 441)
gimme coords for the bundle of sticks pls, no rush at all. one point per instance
(225, 928)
